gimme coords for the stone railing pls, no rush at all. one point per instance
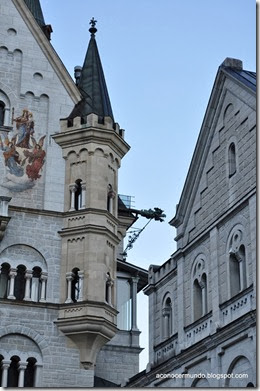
(237, 306)
(198, 330)
(165, 349)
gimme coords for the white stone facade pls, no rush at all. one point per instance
(202, 301)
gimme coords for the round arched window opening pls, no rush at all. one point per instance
(78, 194)
(2, 113)
(75, 285)
(4, 280)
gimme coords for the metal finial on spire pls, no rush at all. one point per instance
(93, 29)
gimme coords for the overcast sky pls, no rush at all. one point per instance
(160, 59)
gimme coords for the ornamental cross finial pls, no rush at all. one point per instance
(93, 29)
(93, 22)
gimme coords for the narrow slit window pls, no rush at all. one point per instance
(2, 113)
(232, 159)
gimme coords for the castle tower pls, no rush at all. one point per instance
(93, 146)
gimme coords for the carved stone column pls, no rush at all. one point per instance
(69, 277)
(83, 196)
(5, 367)
(43, 278)
(166, 322)
(81, 281)
(12, 274)
(22, 367)
(134, 282)
(72, 197)
(28, 277)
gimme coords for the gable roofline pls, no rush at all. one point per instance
(230, 68)
(48, 50)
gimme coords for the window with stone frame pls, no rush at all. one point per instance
(199, 289)
(4, 280)
(5, 108)
(237, 263)
(75, 280)
(108, 288)
(110, 199)
(17, 373)
(75, 289)
(1, 368)
(20, 283)
(167, 317)
(2, 113)
(232, 165)
(78, 194)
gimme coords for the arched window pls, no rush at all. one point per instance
(1, 369)
(234, 275)
(36, 283)
(167, 318)
(4, 280)
(232, 159)
(2, 113)
(17, 372)
(75, 285)
(110, 198)
(197, 300)
(237, 263)
(29, 375)
(13, 372)
(78, 194)
(109, 285)
(19, 284)
(199, 289)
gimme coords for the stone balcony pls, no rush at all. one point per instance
(198, 330)
(237, 306)
(165, 349)
(89, 325)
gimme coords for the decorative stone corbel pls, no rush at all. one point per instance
(4, 218)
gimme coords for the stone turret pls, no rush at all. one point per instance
(93, 146)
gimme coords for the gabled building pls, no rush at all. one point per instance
(64, 285)
(202, 301)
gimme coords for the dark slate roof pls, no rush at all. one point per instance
(92, 85)
(101, 383)
(35, 8)
(248, 78)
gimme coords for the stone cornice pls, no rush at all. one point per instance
(42, 212)
(88, 135)
(56, 306)
(89, 229)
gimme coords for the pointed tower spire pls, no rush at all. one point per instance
(36, 10)
(92, 84)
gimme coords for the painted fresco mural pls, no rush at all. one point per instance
(24, 157)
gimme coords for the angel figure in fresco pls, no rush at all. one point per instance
(11, 156)
(25, 129)
(35, 159)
